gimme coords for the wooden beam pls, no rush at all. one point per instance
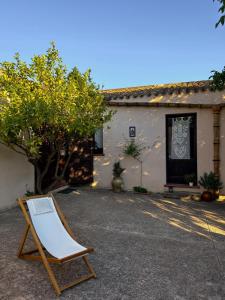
(77, 255)
(159, 104)
(39, 258)
(216, 140)
(77, 281)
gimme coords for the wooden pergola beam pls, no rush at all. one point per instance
(216, 140)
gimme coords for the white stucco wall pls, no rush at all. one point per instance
(150, 130)
(16, 177)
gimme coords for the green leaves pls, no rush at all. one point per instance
(218, 80)
(41, 102)
(222, 11)
(133, 149)
(117, 169)
(210, 181)
(221, 21)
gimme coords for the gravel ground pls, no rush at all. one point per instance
(145, 248)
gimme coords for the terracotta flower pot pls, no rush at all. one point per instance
(207, 196)
(215, 195)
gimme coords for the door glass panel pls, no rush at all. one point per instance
(180, 138)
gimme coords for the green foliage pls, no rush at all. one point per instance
(210, 181)
(133, 149)
(190, 178)
(222, 12)
(29, 193)
(117, 169)
(42, 103)
(139, 189)
(218, 80)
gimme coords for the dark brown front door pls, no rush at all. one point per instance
(181, 147)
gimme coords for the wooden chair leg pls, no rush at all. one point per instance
(77, 281)
(89, 266)
(23, 240)
(49, 270)
(91, 274)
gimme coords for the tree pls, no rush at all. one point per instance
(218, 78)
(42, 105)
(221, 10)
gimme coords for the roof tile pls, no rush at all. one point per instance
(159, 89)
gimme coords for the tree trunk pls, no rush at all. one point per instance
(58, 177)
(38, 182)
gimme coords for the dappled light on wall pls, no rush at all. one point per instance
(94, 184)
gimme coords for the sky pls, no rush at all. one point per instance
(124, 42)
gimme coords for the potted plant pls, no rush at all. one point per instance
(190, 179)
(133, 149)
(117, 182)
(212, 185)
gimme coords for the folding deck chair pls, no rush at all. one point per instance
(51, 233)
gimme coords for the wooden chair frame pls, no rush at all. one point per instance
(29, 255)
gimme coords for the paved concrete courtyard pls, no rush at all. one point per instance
(145, 248)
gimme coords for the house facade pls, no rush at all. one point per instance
(180, 128)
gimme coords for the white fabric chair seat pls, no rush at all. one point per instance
(50, 230)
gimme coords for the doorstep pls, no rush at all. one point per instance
(172, 186)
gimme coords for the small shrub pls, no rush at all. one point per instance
(139, 189)
(190, 178)
(132, 149)
(210, 181)
(117, 169)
